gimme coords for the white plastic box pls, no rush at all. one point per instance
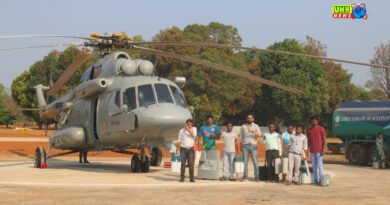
(284, 165)
(325, 180)
(278, 166)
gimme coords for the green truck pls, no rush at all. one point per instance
(357, 124)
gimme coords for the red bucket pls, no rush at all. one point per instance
(167, 164)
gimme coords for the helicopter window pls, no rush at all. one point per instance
(117, 98)
(179, 98)
(95, 72)
(129, 98)
(163, 94)
(86, 75)
(146, 95)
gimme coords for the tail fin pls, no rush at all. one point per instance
(39, 90)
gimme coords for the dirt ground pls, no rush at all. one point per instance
(24, 132)
(18, 147)
(23, 142)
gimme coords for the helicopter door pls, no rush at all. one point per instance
(120, 115)
(129, 101)
(95, 106)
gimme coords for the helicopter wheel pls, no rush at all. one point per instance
(135, 164)
(145, 163)
(40, 158)
(156, 156)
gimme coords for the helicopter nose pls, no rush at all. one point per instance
(164, 120)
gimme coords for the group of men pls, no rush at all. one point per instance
(290, 144)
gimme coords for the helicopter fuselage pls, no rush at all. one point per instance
(112, 112)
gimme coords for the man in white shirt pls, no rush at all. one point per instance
(186, 145)
(285, 140)
(249, 133)
(229, 149)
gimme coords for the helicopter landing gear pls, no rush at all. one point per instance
(156, 156)
(40, 158)
(145, 163)
(140, 163)
(135, 164)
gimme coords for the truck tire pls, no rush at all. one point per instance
(357, 154)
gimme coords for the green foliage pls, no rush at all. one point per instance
(6, 115)
(209, 91)
(297, 72)
(340, 87)
(52, 65)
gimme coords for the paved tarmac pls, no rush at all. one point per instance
(109, 181)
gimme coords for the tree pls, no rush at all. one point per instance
(209, 91)
(6, 115)
(297, 72)
(380, 77)
(51, 66)
(340, 87)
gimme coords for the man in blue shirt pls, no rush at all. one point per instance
(209, 133)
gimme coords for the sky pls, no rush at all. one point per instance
(260, 24)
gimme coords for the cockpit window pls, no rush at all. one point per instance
(86, 75)
(179, 98)
(129, 98)
(163, 94)
(145, 95)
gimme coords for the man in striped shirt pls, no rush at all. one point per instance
(297, 145)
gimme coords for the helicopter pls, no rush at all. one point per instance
(121, 103)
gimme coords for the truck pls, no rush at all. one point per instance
(358, 124)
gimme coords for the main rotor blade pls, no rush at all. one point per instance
(257, 49)
(68, 73)
(30, 109)
(217, 67)
(44, 46)
(43, 35)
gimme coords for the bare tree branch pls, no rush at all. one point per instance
(380, 78)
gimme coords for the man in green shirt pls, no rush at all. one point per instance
(208, 133)
(273, 147)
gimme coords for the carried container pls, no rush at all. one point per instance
(305, 176)
(278, 166)
(198, 154)
(238, 165)
(325, 180)
(176, 163)
(284, 165)
(209, 165)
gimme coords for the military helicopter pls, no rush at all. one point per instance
(121, 103)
